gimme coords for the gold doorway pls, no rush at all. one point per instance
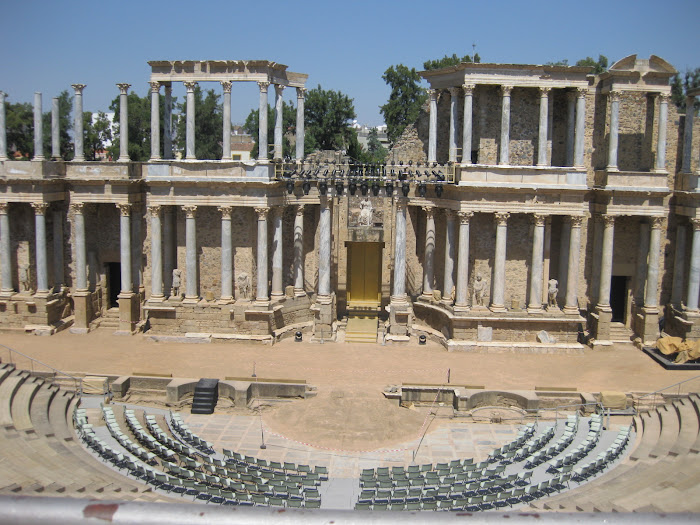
(364, 274)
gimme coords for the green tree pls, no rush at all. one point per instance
(375, 149)
(405, 100)
(680, 87)
(208, 125)
(97, 133)
(599, 66)
(289, 117)
(19, 125)
(327, 116)
(65, 125)
(448, 61)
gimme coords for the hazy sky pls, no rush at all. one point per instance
(47, 45)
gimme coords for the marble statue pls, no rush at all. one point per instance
(366, 209)
(24, 278)
(243, 282)
(552, 292)
(479, 290)
(177, 282)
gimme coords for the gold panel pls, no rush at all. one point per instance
(364, 273)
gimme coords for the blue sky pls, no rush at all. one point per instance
(48, 45)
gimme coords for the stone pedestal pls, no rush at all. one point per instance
(649, 326)
(81, 312)
(601, 325)
(324, 310)
(400, 318)
(128, 312)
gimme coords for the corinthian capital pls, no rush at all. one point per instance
(123, 88)
(226, 85)
(502, 218)
(190, 86)
(263, 86)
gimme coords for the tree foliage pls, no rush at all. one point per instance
(208, 125)
(405, 99)
(19, 125)
(327, 116)
(448, 61)
(599, 66)
(97, 133)
(681, 85)
(289, 117)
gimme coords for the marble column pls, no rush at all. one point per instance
(78, 123)
(543, 126)
(278, 121)
(124, 122)
(3, 128)
(571, 304)
(324, 253)
(432, 130)
(467, 123)
(614, 97)
(261, 296)
(448, 280)
(125, 246)
(168, 122)
(189, 132)
(661, 137)
(399, 295)
(55, 130)
(688, 135)
(606, 262)
(38, 129)
(640, 275)
(678, 267)
(504, 158)
(547, 256)
(580, 132)
(81, 283)
(564, 246)
(5, 250)
(191, 288)
(650, 298)
(58, 267)
(428, 262)
(694, 271)
(454, 99)
(155, 120)
(169, 247)
(461, 291)
(262, 122)
(226, 256)
(226, 149)
(299, 290)
(277, 277)
(570, 126)
(42, 270)
(156, 254)
(499, 265)
(536, 263)
(301, 93)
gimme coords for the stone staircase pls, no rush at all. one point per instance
(619, 333)
(109, 319)
(661, 474)
(361, 329)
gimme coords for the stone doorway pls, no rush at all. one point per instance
(113, 271)
(364, 274)
(619, 292)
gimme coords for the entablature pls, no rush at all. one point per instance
(225, 70)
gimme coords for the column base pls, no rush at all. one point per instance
(41, 294)
(277, 296)
(324, 299)
(400, 316)
(399, 300)
(261, 303)
(602, 319)
(535, 309)
(128, 311)
(299, 292)
(81, 312)
(324, 318)
(498, 308)
(156, 298)
(649, 326)
(462, 308)
(571, 310)
(191, 299)
(225, 300)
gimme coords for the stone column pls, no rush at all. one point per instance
(399, 295)
(570, 126)
(38, 129)
(226, 256)
(467, 124)
(169, 243)
(155, 121)
(564, 246)
(650, 298)
(78, 209)
(168, 122)
(277, 277)
(278, 121)
(78, 123)
(191, 288)
(454, 99)
(299, 290)
(499, 266)
(461, 291)
(547, 256)
(688, 135)
(614, 97)
(125, 246)
(226, 150)
(544, 124)
(571, 304)
(324, 253)
(694, 272)
(5, 250)
(58, 267)
(678, 267)
(261, 296)
(301, 93)
(123, 122)
(3, 128)
(432, 130)
(661, 137)
(538, 221)
(640, 276)
(606, 262)
(55, 130)
(448, 280)
(189, 132)
(428, 262)
(156, 255)
(580, 126)
(504, 158)
(42, 271)
(262, 121)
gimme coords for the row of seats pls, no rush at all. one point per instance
(264, 466)
(124, 440)
(570, 429)
(509, 450)
(181, 428)
(566, 463)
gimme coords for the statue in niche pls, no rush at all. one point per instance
(479, 290)
(177, 282)
(24, 278)
(366, 210)
(552, 292)
(243, 282)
